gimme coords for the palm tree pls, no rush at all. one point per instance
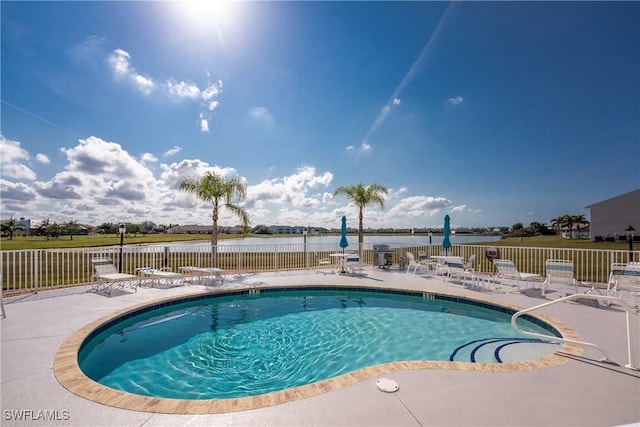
(581, 221)
(221, 193)
(556, 223)
(362, 196)
(567, 224)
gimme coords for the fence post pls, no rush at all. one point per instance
(35, 267)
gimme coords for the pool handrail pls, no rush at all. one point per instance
(632, 353)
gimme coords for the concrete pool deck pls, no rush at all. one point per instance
(582, 391)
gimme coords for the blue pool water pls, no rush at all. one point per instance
(239, 344)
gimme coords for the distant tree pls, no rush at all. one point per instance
(148, 227)
(106, 228)
(535, 228)
(362, 197)
(262, 229)
(9, 227)
(71, 228)
(133, 228)
(557, 223)
(220, 192)
(53, 230)
(518, 230)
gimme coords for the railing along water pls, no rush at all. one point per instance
(33, 270)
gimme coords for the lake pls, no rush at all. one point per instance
(324, 241)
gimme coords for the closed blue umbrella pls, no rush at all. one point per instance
(446, 244)
(343, 240)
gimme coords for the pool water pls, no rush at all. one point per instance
(242, 345)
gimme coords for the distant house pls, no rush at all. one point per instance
(298, 229)
(610, 218)
(190, 229)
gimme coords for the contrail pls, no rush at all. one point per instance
(422, 59)
(34, 115)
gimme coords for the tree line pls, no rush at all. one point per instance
(562, 223)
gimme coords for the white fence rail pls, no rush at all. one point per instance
(33, 270)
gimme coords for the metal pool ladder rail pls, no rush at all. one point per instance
(632, 344)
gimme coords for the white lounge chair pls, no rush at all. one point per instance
(160, 276)
(624, 279)
(426, 262)
(455, 266)
(412, 263)
(324, 262)
(508, 270)
(201, 272)
(107, 277)
(352, 264)
(559, 271)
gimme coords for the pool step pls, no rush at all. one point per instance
(502, 349)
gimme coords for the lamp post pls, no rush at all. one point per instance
(304, 236)
(430, 234)
(121, 230)
(629, 230)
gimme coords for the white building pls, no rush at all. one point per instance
(610, 218)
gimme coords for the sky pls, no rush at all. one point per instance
(494, 113)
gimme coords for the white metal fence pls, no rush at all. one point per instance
(34, 270)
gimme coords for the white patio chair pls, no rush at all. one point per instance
(559, 271)
(426, 262)
(201, 272)
(107, 276)
(412, 263)
(508, 270)
(323, 262)
(624, 280)
(455, 266)
(161, 276)
(353, 264)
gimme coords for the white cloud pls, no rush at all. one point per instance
(121, 66)
(212, 91)
(364, 148)
(456, 100)
(417, 207)
(204, 124)
(396, 101)
(11, 158)
(290, 190)
(120, 62)
(262, 114)
(144, 84)
(102, 182)
(182, 90)
(327, 198)
(43, 158)
(172, 151)
(350, 147)
(15, 192)
(148, 157)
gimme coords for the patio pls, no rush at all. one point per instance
(582, 391)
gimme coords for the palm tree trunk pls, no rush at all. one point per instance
(214, 239)
(360, 234)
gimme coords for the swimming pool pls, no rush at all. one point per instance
(246, 343)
